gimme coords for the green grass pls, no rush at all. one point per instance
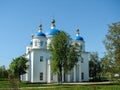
(5, 85)
(81, 87)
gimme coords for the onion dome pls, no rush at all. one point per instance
(40, 33)
(31, 43)
(53, 30)
(78, 37)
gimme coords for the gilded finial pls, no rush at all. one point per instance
(53, 23)
(40, 28)
(32, 36)
(77, 32)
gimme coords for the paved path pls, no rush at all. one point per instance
(89, 83)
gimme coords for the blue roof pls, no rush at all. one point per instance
(53, 31)
(41, 34)
(31, 42)
(79, 38)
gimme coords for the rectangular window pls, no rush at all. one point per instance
(81, 60)
(35, 42)
(41, 58)
(51, 76)
(82, 75)
(41, 43)
(41, 75)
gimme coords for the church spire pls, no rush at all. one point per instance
(53, 23)
(40, 28)
(77, 32)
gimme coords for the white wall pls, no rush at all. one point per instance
(38, 66)
(85, 66)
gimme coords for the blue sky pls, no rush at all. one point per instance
(21, 18)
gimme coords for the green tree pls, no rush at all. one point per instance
(63, 54)
(3, 72)
(95, 67)
(18, 67)
(108, 69)
(112, 45)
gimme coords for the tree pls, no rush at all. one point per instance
(18, 66)
(63, 54)
(112, 45)
(3, 72)
(108, 69)
(95, 67)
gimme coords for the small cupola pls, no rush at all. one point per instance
(53, 29)
(40, 33)
(78, 37)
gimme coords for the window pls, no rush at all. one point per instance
(51, 76)
(41, 58)
(35, 42)
(80, 47)
(46, 43)
(41, 75)
(82, 60)
(82, 75)
(41, 43)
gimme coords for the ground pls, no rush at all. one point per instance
(6, 85)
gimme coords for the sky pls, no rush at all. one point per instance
(19, 19)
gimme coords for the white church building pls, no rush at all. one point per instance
(39, 70)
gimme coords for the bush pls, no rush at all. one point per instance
(4, 79)
(97, 79)
(14, 83)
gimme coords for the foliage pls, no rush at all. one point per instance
(112, 44)
(13, 83)
(108, 69)
(63, 54)
(18, 66)
(3, 72)
(95, 67)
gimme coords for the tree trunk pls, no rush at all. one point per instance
(60, 75)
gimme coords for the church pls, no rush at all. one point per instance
(39, 70)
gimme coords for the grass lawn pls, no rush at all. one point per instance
(80, 87)
(5, 85)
